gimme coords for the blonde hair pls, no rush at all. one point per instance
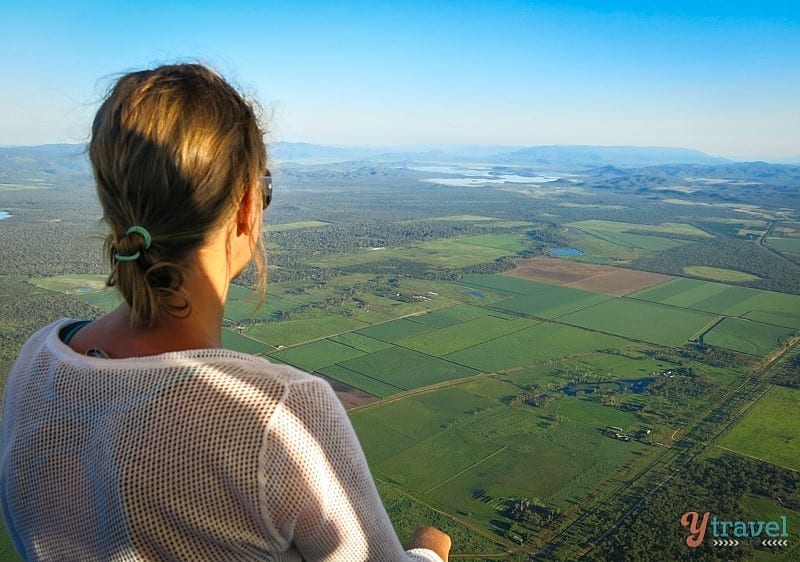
(174, 150)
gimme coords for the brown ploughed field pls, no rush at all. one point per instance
(602, 279)
(349, 397)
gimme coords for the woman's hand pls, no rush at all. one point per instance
(432, 539)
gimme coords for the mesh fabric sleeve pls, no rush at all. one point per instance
(316, 488)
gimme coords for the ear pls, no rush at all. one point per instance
(245, 216)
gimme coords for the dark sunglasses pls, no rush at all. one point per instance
(266, 188)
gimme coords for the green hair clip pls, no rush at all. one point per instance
(142, 231)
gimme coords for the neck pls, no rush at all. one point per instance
(205, 283)
(206, 288)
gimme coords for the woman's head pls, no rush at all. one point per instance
(174, 152)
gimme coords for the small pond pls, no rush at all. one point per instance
(564, 252)
(636, 386)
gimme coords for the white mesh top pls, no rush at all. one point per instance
(197, 455)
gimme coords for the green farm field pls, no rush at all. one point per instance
(295, 225)
(641, 320)
(719, 274)
(503, 284)
(747, 336)
(238, 342)
(645, 242)
(514, 243)
(395, 330)
(480, 443)
(406, 513)
(444, 317)
(542, 342)
(317, 354)
(445, 455)
(369, 384)
(293, 332)
(533, 445)
(764, 306)
(788, 245)
(466, 334)
(444, 253)
(89, 288)
(360, 342)
(106, 300)
(663, 229)
(552, 301)
(599, 250)
(769, 429)
(71, 284)
(407, 369)
(246, 308)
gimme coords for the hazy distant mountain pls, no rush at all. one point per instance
(625, 156)
(42, 162)
(559, 156)
(303, 151)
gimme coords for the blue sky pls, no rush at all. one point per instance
(723, 77)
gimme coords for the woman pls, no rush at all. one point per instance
(136, 437)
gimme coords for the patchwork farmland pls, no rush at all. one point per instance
(564, 384)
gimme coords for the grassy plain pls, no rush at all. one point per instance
(761, 508)
(644, 242)
(639, 237)
(663, 229)
(741, 228)
(599, 250)
(764, 306)
(769, 429)
(501, 283)
(407, 512)
(367, 383)
(641, 320)
(317, 354)
(71, 284)
(293, 332)
(437, 459)
(496, 450)
(788, 245)
(747, 336)
(238, 342)
(406, 369)
(533, 445)
(395, 330)
(106, 300)
(459, 336)
(443, 317)
(719, 274)
(552, 301)
(360, 342)
(294, 225)
(448, 253)
(542, 342)
(513, 243)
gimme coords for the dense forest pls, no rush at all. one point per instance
(775, 272)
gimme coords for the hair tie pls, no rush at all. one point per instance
(142, 231)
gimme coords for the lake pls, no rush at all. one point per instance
(636, 386)
(564, 252)
(4, 215)
(478, 176)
